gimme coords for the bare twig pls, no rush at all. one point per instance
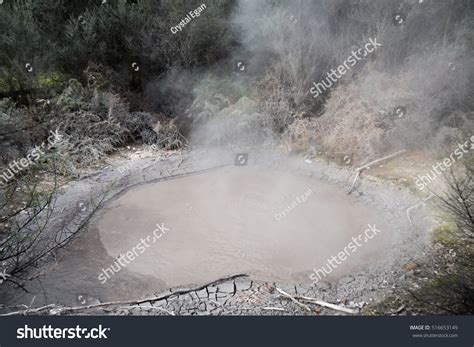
(273, 309)
(28, 311)
(398, 310)
(171, 313)
(354, 182)
(327, 304)
(306, 307)
(360, 169)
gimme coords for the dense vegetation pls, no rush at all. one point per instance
(123, 53)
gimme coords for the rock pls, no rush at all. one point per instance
(409, 266)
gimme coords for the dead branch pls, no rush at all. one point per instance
(171, 313)
(28, 311)
(273, 309)
(306, 307)
(398, 310)
(360, 169)
(327, 304)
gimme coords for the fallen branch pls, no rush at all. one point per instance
(381, 159)
(398, 310)
(415, 206)
(24, 312)
(62, 309)
(360, 169)
(354, 182)
(171, 313)
(273, 309)
(306, 307)
(327, 304)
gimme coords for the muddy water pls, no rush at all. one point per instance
(274, 226)
(271, 225)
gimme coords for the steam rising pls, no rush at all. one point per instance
(424, 66)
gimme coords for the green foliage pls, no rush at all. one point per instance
(72, 97)
(63, 36)
(446, 234)
(51, 81)
(21, 43)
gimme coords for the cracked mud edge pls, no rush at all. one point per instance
(233, 295)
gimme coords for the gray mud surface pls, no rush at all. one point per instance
(226, 220)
